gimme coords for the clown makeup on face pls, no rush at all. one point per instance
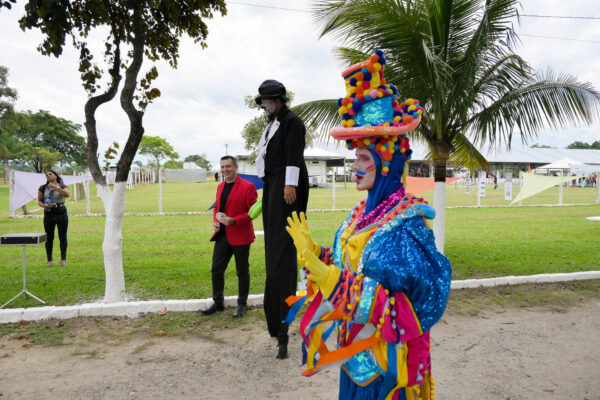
(365, 169)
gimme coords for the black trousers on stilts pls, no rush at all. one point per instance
(280, 252)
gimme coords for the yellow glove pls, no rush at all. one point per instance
(298, 230)
(327, 276)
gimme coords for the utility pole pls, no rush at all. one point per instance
(226, 153)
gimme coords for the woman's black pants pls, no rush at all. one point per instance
(52, 221)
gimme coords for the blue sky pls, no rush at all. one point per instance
(201, 108)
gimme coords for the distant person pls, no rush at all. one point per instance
(280, 163)
(51, 196)
(233, 235)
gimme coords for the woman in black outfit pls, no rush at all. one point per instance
(51, 196)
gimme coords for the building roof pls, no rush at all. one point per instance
(543, 156)
(336, 150)
(314, 153)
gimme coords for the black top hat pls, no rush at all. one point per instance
(271, 89)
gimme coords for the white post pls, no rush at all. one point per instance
(345, 172)
(479, 190)
(11, 183)
(86, 191)
(333, 190)
(160, 203)
(560, 194)
(75, 194)
(439, 223)
(520, 183)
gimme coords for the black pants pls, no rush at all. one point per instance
(221, 255)
(52, 220)
(280, 252)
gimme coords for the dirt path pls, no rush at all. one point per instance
(502, 353)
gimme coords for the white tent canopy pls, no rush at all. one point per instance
(565, 163)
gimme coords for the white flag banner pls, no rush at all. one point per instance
(508, 187)
(26, 185)
(482, 181)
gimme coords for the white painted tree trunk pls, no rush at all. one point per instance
(112, 247)
(439, 223)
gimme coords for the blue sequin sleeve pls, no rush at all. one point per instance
(403, 258)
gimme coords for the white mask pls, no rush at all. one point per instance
(269, 106)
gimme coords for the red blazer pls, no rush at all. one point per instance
(243, 195)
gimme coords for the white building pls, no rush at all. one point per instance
(317, 161)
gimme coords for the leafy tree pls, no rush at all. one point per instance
(595, 145)
(457, 57)
(139, 164)
(41, 158)
(579, 145)
(174, 164)
(135, 30)
(9, 145)
(158, 148)
(541, 146)
(57, 137)
(200, 161)
(9, 149)
(8, 95)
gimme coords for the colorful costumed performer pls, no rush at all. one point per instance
(383, 284)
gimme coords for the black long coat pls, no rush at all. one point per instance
(285, 149)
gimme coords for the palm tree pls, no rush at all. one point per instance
(457, 58)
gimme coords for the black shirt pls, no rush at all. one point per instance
(223, 204)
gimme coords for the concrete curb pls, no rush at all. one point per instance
(135, 308)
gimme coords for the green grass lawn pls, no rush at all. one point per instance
(170, 256)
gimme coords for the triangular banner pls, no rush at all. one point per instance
(533, 184)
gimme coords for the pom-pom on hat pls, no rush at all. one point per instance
(271, 89)
(371, 115)
(371, 107)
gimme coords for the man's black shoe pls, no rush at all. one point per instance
(241, 310)
(282, 352)
(213, 309)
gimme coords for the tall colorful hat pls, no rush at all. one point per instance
(371, 114)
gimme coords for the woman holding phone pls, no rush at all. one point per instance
(51, 196)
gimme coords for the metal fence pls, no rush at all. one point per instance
(176, 192)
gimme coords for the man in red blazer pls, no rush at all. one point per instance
(233, 235)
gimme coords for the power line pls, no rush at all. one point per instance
(308, 11)
(522, 15)
(559, 38)
(264, 6)
(555, 16)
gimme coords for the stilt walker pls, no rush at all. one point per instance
(280, 163)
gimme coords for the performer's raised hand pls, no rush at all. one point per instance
(327, 276)
(298, 230)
